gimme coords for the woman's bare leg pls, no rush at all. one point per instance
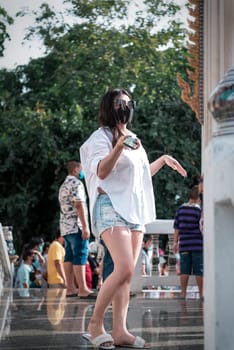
(120, 301)
(119, 242)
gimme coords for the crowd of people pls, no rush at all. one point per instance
(116, 175)
(49, 270)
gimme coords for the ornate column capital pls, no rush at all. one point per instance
(221, 104)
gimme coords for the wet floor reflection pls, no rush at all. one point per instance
(49, 320)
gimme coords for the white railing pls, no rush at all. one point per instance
(6, 273)
(156, 228)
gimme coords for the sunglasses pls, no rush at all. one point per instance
(123, 104)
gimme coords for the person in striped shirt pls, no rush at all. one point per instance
(188, 241)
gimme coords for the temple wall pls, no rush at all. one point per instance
(218, 170)
(218, 53)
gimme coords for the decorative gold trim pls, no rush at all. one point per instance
(192, 92)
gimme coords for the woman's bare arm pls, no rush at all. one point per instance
(170, 161)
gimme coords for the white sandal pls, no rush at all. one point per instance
(99, 340)
(139, 343)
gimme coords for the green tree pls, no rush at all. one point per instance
(34, 147)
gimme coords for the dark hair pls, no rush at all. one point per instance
(71, 165)
(34, 242)
(147, 237)
(26, 254)
(45, 246)
(194, 193)
(58, 234)
(107, 115)
(197, 179)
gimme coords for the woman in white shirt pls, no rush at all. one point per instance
(118, 179)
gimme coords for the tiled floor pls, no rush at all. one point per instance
(49, 320)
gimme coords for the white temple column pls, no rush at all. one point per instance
(218, 170)
(218, 52)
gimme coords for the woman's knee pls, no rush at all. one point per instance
(125, 273)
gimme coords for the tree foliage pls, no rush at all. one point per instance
(50, 105)
(5, 20)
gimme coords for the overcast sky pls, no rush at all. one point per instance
(17, 53)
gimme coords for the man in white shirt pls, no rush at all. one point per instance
(74, 228)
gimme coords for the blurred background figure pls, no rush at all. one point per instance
(36, 244)
(163, 252)
(74, 227)
(56, 277)
(88, 275)
(200, 190)
(45, 250)
(188, 241)
(163, 266)
(146, 257)
(96, 269)
(22, 280)
(108, 264)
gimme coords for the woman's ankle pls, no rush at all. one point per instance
(95, 326)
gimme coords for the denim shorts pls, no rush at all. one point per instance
(191, 263)
(76, 248)
(106, 217)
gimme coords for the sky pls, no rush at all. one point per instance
(16, 52)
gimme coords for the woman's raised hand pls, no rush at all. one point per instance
(174, 164)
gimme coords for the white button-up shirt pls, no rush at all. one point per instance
(70, 191)
(129, 185)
